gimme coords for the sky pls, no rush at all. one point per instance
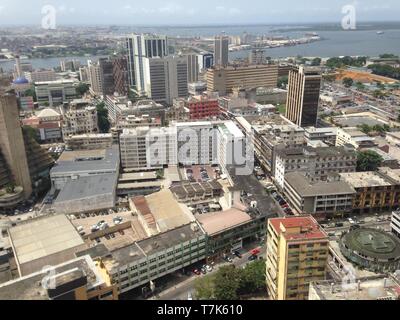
(195, 12)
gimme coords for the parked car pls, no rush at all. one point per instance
(209, 268)
(237, 254)
(196, 272)
(252, 257)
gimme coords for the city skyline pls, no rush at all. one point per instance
(125, 12)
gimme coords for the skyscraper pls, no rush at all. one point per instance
(221, 50)
(297, 253)
(303, 96)
(107, 76)
(207, 61)
(165, 78)
(193, 67)
(120, 74)
(95, 78)
(140, 47)
(12, 144)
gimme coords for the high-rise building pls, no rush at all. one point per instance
(140, 47)
(95, 78)
(12, 144)
(41, 75)
(206, 61)
(303, 96)
(165, 78)
(224, 79)
(120, 73)
(256, 56)
(107, 76)
(297, 253)
(221, 50)
(193, 67)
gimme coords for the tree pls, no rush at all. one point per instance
(378, 94)
(253, 278)
(348, 82)
(102, 118)
(283, 81)
(316, 62)
(204, 288)
(82, 88)
(31, 93)
(227, 282)
(368, 160)
(360, 86)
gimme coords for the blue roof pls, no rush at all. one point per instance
(21, 80)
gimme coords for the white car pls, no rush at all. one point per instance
(209, 268)
(351, 221)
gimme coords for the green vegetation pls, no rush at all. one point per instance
(368, 160)
(230, 283)
(347, 82)
(378, 94)
(316, 62)
(82, 88)
(376, 128)
(160, 174)
(102, 115)
(346, 62)
(360, 86)
(283, 81)
(10, 187)
(329, 77)
(31, 93)
(385, 70)
(281, 108)
(388, 56)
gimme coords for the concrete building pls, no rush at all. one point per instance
(70, 65)
(78, 118)
(221, 50)
(77, 279)
(120, 75)
(326, 135)
(256, 56)
(318, 162)
(107, 76)
(354, 137)
(12, 145)
(202, 107)
(303, 96)
(297, 253)
(224, 79)
(89, 141)
(178, 112)
(372, 249)
(197, 88)
(48, 124)
(376, 190)
(165, 79)
(43, 242)
(55, 93)
(95, 78)
(369, 288)
(323, 199)
(41, 75)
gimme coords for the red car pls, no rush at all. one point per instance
(197, 272)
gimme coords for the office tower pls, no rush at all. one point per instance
(297, 253)
(70, 65)
(221, 50)
(140, 47)
(303, 96)
(107, 76)
(224, 79)
(95, 78)
(165, 78)
(120, 73)
(41, 75)
(12, 144)
(193, 67)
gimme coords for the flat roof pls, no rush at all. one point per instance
(217, 222)
(305, 188)
(298, 228)
(43, 237)
(84, 161)
(88, 186)
(365, 179)
(168, 212)
(138, 176)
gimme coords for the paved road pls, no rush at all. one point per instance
(181, 290)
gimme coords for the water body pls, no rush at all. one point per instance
(335, 42)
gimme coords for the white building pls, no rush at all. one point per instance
(395, 223)
(55, 92)
(41, 76)
(79, 120)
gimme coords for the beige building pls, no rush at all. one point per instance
(297, 253)
(224, 79)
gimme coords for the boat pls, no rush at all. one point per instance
(380, 32)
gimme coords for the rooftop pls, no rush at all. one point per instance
(306, 188)
(365, 179)
(299, 228)
(43, 237)
(217, 222)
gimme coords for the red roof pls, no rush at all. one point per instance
(309, 227)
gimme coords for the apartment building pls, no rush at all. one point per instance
(297, 253)
(95, 78)
(89, 141)
(79, 118)
(41, 75)
(318, 162)
(120, 75)
(376, 190)
(203, 107)
(354, 137)
(224, 79)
